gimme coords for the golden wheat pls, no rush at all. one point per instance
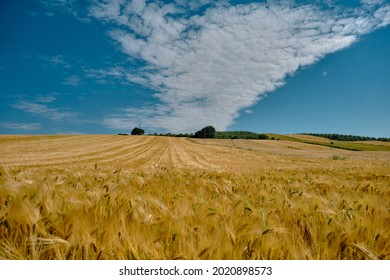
(107, 197)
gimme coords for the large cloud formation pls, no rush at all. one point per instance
(209, 61)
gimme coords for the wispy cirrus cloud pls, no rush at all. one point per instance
(372, 2)
(41, 107)
(57, 61)
(103, 76)
(20, 126)
(48, 98)
(73, 80)
(51, 7)
(207, 66)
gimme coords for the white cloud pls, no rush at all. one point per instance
(57, 61)
(43, 110)
(383, 15)
(45, 98)
(208, 67)
(372, 2)
(73, 81)
(52, 7)
(20, 126)
(116, 72)
(137, 6)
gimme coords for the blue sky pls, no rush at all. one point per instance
(286, 66)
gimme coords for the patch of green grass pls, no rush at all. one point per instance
(273, 136)
(336, 157)
(346, 145)
(360, 146)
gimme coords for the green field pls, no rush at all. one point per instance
(346, 145)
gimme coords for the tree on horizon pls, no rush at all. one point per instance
(137, 131)
(206, 132)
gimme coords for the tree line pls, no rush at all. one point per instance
(210, 132)
(344, 137)
(206, 132)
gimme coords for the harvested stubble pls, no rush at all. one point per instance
(310, 212)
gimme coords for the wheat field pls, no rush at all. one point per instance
(145, 197)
